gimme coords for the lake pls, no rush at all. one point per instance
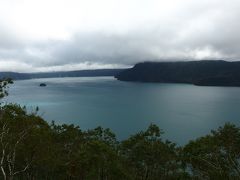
(182, 111)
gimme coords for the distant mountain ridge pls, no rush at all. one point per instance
(79, 73)
(202, 73)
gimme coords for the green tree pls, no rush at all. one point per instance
(215, 156)
(103, 155)
(4, 86)
(149, 158)
(21, 140)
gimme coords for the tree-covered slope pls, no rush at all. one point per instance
(207, 73)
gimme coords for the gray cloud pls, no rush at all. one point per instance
(197, 30)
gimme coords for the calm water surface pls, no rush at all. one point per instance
(183, 111)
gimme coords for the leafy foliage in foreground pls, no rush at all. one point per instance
(30, 148)
(215, 156)
(4, 86)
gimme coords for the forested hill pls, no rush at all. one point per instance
(205, 73)
(80, 73)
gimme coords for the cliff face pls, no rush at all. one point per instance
(205, 73)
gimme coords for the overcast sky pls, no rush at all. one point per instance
(52, 35)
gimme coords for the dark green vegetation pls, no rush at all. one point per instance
(42, 85)
(203, 73)
(30, 148)
(4, 86)
(80, 73)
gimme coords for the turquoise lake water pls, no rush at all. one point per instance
(182, 111)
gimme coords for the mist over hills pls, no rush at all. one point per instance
(203, 73)
(80, 73)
